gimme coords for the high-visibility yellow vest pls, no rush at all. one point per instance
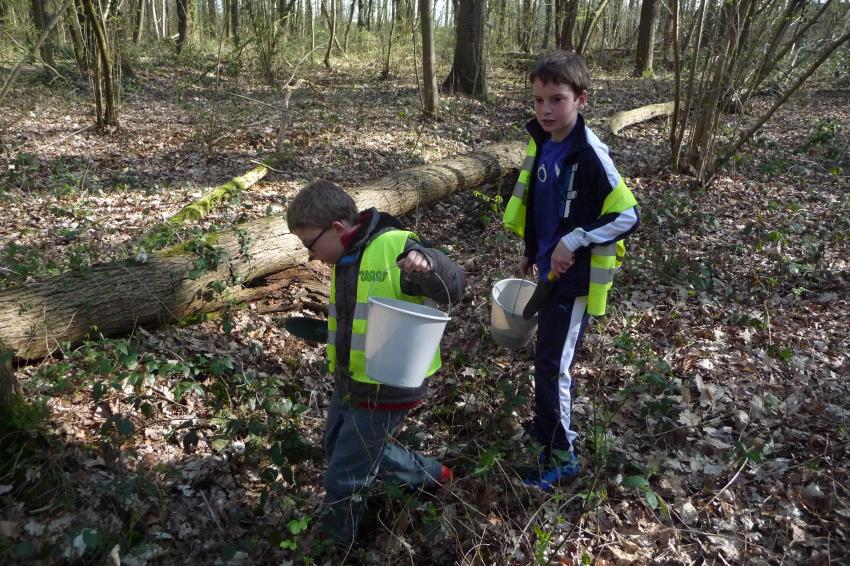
(604, 260)
(379, 276)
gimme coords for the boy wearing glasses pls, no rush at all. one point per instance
(371, 254)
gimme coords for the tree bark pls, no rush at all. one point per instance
(469, 70)
(139, 25)
(566, 14)
(234, 21)
(40, 18)
(212, 17)
(348, 27)
(331, 16)
(113, 298)
(429, 76)
(589, 27)
(184, 17)
(646, 39)
(72, 17)
(108, 114)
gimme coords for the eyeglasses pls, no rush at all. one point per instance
(316, 239)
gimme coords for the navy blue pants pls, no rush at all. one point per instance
(560, 329)
(360, 449)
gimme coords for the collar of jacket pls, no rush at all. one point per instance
(578, 135)
(370, 224)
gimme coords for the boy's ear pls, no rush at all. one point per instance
(582, 99)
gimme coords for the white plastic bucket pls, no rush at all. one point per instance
(507, 299)
(401, 339)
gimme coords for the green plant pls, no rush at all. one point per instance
(207, 257)
(541, 544)
(652, 382)
(641, 484)
(494, 204)
(19, 262)
(487, 461)
(295, 527)
(22, 415)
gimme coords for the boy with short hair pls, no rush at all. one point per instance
(371, 255)
(573, 210)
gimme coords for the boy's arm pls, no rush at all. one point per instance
(607, 229)
(618, 216)
(443, 275)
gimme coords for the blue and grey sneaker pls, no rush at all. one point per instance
(560, 465)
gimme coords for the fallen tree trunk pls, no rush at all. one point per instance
(113, 298)
(622, 120)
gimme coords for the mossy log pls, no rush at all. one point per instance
(622, 120)
(112, 299)
(203, 206)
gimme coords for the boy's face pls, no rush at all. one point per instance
(556, 107)
(325, 243)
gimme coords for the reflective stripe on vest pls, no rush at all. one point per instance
(604, 260)
(514, 217)
(374, 279)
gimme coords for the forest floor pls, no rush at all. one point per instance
(713, 408)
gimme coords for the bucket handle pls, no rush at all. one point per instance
(516, 296)
(446, 287)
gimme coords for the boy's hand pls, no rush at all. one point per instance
(562, 259)
(414, 261)
(525, 267)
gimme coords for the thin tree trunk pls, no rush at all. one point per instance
(225, 17)
(348, 27)
(331, 16)
(40, 19)
(183, 17)
(567, 12)
(73, 19)
(234, 21)
(589, 26)
(312, 27)
(429, 76)
(547, 26)
(212, 15)
(385, 74)
(104, 55)
(155, 19)
(681, 120)
(140, 21)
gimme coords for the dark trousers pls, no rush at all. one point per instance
(359, 450)
(561, 325)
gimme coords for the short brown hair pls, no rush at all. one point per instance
(560, 67)
(318, 205)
